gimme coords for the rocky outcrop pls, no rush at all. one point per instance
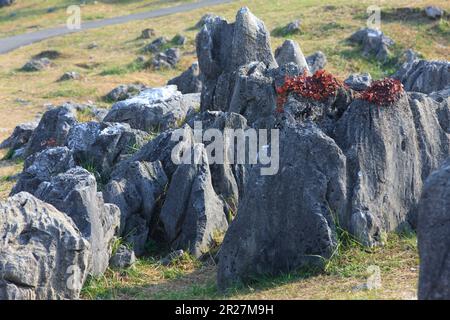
(189, 81)
(222, 48)
(286, 221)
(290, 52)
(359, 82)
(192, 212)
(37, 65)
(154, 109)
(20, 136)
(316, 61)
(124, 92)
(52, 129)
(75, 193)
(42, 167)
(167, 59)
(424, 76)
(373, 42)
(102, 145)
(42, 253)
(123, 258)
(434, 236)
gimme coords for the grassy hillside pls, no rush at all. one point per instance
(325, 26)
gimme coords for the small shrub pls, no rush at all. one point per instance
(320, 86)
(383, 92)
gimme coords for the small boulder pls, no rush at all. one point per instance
(179, 40)
(148, 33)
(124, 91)
(316, 61)
(189, 81)
(373, 42)
(5, 3)
(171, 257)
(292, 27)
(290, 52)
(123, 258)
(71, 75)
(359, 82)
(434, 12)
(166, 59)
(20, 136)
(156, 45)
(36, 65)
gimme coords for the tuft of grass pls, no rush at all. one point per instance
(9, 154)
(134, 66)
(85, 115)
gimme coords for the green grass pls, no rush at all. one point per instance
(9, 154)
(121, 70)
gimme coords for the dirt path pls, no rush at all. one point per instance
(14, 42)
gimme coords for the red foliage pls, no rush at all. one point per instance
(49, 143)
(320, 86)
(383, 92)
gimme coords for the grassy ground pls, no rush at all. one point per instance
(326, 25)
(188, 278)
(32, 15)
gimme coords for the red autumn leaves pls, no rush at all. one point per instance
(322, 85)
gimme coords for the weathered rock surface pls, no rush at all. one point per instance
(42, 253)
(292, 27)
(205, 19)
(4, 3)
(189, 81)
(156, 45)
(20, 136)
(123, 258)
(434, 236)
(148, 33)
(52, 129)
(136, 188)
(154, 109)
(75, 193)
(167, 59)
(424, 76)
(71, 75)
(285, 221)
(389, 150)
(124, 92)
(290, 52)
(373, 42)
(192, 212)
(36, 65)
(359, 82)
(316, 61)
(102, 145)
(222, 48)
(41, 167)
(434, 12)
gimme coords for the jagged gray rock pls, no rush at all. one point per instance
(37, 65)
(192, 213)
(434, 12)
(316, 61)
(374, 42)
(136, 188)
(102, 145)
(70, 75)
(189, 81)
(154, 109)
(123, 258)
(124, 92)
(205, 19)
(434, 236)
(42, 254)
(222, 48)
(20, 136)
(147, 33)
(390, 151)
(41, 167)
(75, 193)
(359, 82)
(290, 52)
(156, 45)
(285, 221)
(52, 129)
(167, 59)
(424, 76)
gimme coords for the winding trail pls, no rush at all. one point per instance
(14, 42)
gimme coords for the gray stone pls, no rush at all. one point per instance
(434, 12)
(316, 61)
(166, 59)
(156, 45)
(179, 40)
(71, 75)
(359, 82)
(148, 33)
(5, 3)
(222, 48)
(20, 136)
(192, 212)
(52, 129)
(290, 52)
(424, 76)
(373, 42)
(102, 145)
(42, 254)
(434, 236)
(75, 193)
(41, 167)
(286, 221)
(123, 258)
(36, 65)
(189, 81)
(124, 92)
(136, 189)
(205, 19)
(154, 109)
(171, 257)
(292, 27)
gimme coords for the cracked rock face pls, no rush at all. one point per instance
(290, 52)
(42, 254)
(189, 81)
(434, 236)
(285, 221)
